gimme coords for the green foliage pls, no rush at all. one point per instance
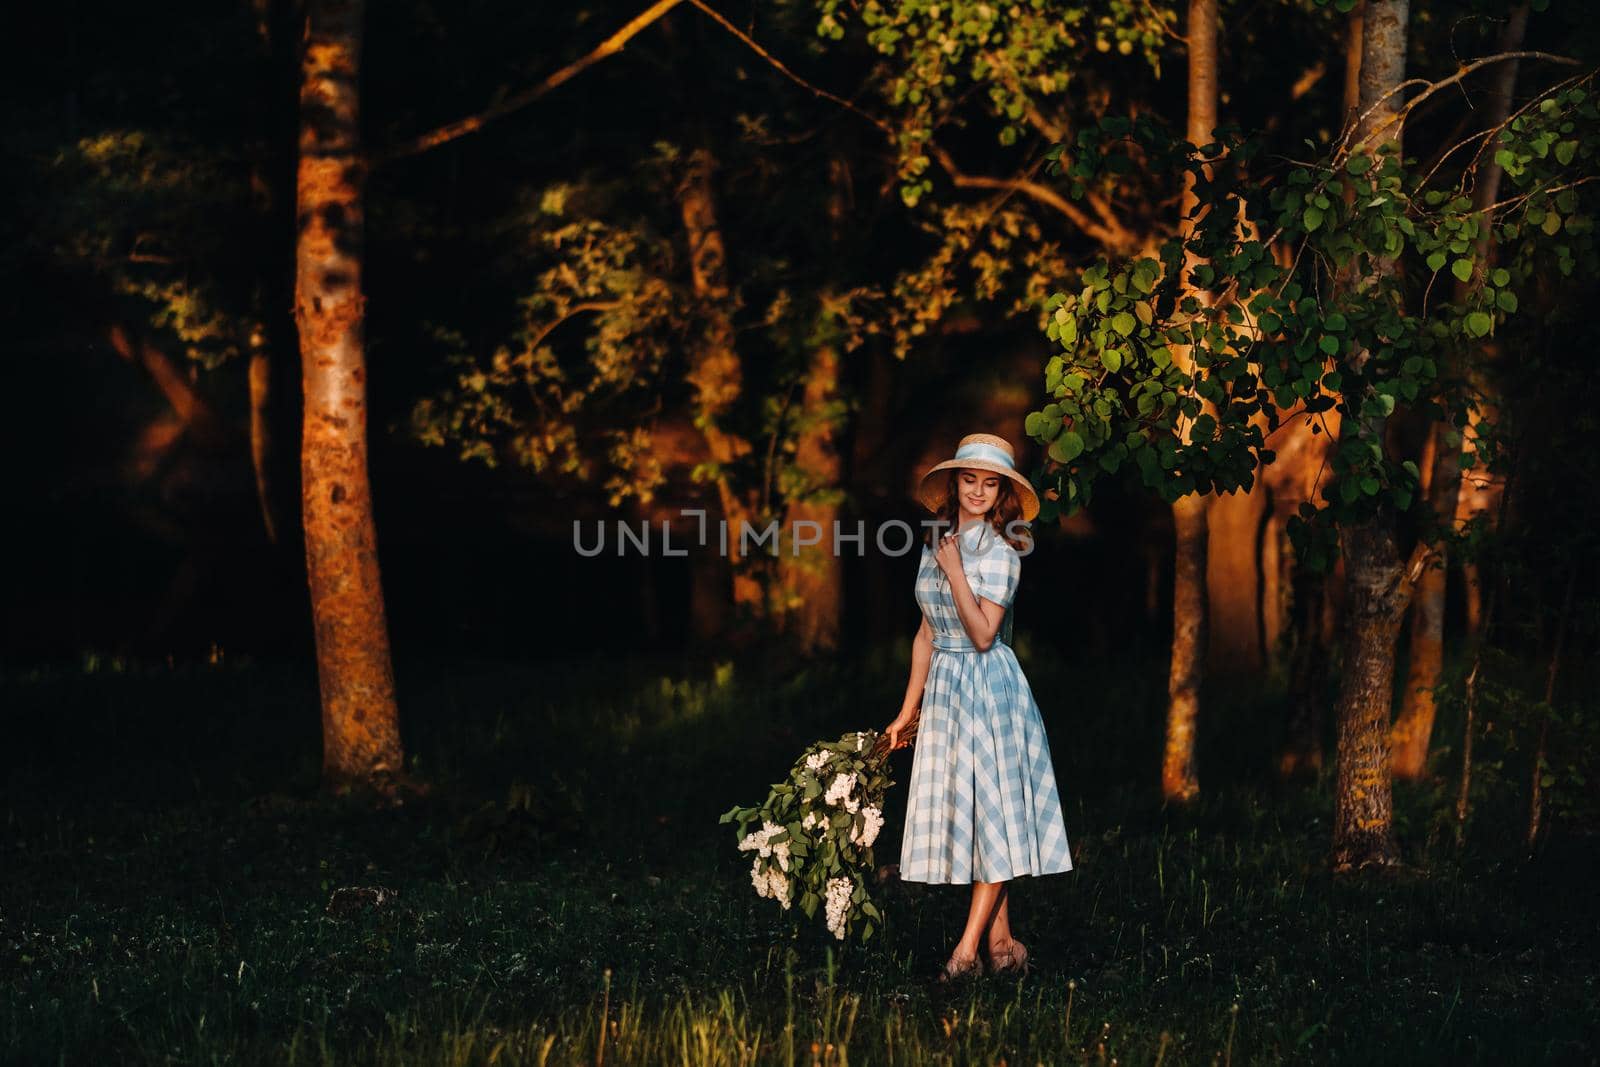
(154, 218)
(1019, 55)
(535, 398)
(1334, 329)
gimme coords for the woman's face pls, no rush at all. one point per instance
(977, 490)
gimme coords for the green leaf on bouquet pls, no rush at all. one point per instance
(866, 933)
(808, 904)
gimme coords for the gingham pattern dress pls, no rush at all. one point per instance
(983, 805)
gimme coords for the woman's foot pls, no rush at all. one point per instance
(957, 968)
(1008, 958)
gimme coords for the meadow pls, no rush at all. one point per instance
(177, 892)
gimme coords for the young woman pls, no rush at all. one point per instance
(983, 806)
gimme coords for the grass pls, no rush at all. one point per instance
(169, 868)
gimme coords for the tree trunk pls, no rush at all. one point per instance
(195, 415)
(1413, 729)
(360, 722)
(1235, 602)
(1353, 44)
(813, 582)
(1375, 594)
(1292, 480)
(272, 181)
(1315, 630)
(1552, 671)
(260, 373)
(1179, 775)
(1179, 778)
(715, 371)
(1376, 585)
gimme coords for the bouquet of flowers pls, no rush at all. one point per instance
(816, 829)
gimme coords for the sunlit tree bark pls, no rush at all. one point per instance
(1413, 729)
(1235, 586)
(813, 581)
(1376, 585)
(715, 371)
(1179, 776)
(1298, 604)
(360, 728)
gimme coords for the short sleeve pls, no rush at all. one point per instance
(997, 574)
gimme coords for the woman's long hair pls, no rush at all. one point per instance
(1007, 508)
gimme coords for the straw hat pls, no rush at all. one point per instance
(984, 452)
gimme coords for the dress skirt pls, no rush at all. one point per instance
(983, 802)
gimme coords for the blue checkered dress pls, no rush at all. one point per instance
(983, 801)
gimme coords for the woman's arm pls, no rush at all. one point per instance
(921, 656)
(980, 618)
(911, 707)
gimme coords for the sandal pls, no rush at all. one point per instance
(1013, 960)
(955, 970)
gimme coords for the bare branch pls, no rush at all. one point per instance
(575, 309)
(1444, 83)
(1308, 80)
(461, 127)
(778, 65)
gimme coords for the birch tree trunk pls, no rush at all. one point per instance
(360, 723)
(1413, 729)
(1376, 587)
(1179, 775)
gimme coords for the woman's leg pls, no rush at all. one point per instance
(986, 896)
(1000, 925)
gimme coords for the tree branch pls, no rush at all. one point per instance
(1444, 83)
(575, 309)
(778, 65)
(461, 127)
(1112, 236)
(1113, 240)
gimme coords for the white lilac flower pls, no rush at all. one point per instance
(816, 761)
(871, 824)
(780, 852)
(838, 903)
(810, 820)
(761, 840)
(778, 888)
(758, 878)
(839, 792)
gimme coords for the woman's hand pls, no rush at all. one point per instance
(948, 555)
(900, 725)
